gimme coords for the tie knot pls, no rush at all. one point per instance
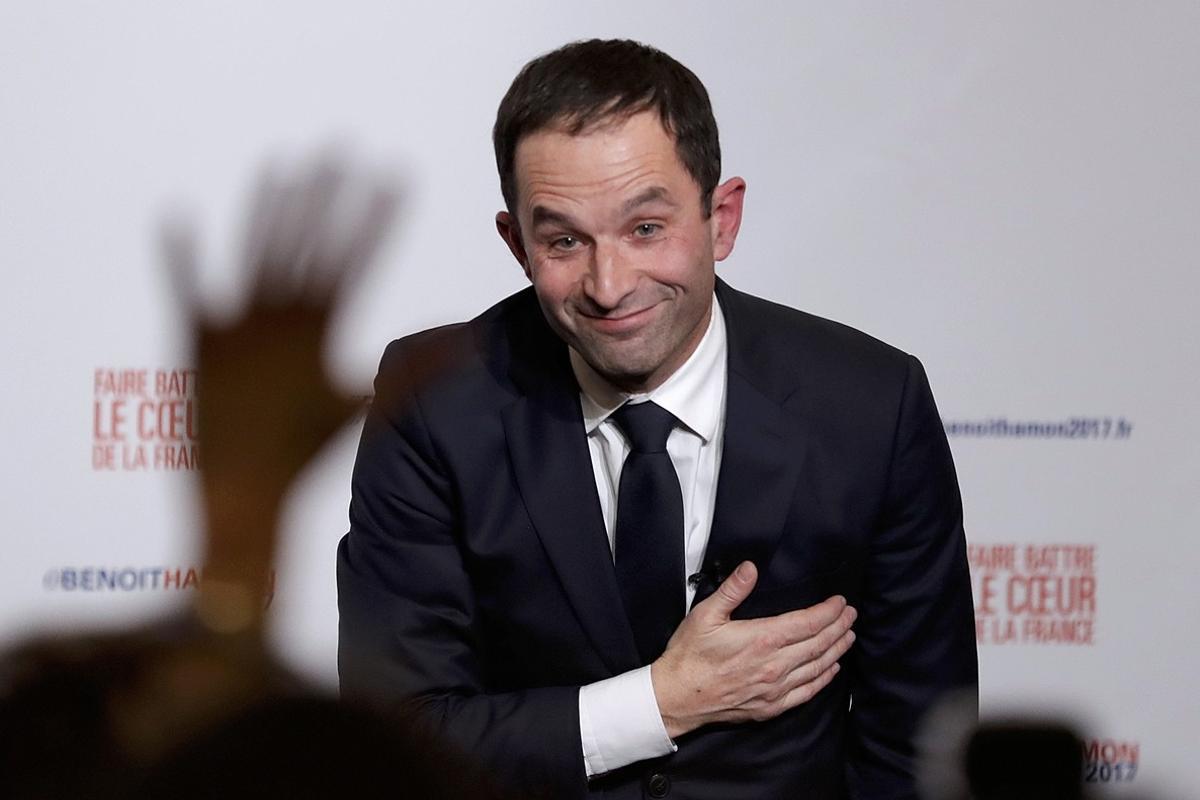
(646, 425)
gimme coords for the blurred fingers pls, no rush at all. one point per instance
(366, 233)
(177, 240)
(309, 207)
(263, 231)
(311, 236)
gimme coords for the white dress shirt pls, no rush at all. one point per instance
(619, 720)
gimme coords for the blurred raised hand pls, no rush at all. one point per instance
(266, 401)
(195, 706)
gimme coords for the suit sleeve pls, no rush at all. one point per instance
(407, 614)
(916, 634)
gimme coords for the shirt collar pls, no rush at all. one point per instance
(694, 392)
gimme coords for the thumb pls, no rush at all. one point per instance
(733, 590)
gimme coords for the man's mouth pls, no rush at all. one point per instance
(622, 323)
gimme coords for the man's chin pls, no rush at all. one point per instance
(629, 376)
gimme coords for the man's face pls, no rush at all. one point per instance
(610, 230)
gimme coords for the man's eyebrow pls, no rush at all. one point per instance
(548, 216)
(543, 216)
(652, 195)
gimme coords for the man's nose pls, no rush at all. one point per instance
(610, 278)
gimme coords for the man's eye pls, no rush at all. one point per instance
(646, 229)
(565, 243)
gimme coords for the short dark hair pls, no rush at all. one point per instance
(588, 82)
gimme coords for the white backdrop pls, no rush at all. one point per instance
(1010, 191)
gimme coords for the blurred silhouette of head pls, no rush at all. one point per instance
(1025, 761)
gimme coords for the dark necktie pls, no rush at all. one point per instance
(649, 539)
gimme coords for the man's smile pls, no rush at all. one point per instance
(624, 323)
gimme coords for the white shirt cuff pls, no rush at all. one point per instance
(619, 722)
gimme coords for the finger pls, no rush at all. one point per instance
(805, 623)
(359, 251)
(807, 691)
(285, 240)
(808, 650)
(732, 591)
(178, 243)
(810, 665)
(307, 229)
(262, 234)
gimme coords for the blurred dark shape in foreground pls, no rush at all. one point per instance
(1005, 759)
(81, 715)
(196, 706)
(308, 746)
(1010, 758)
(1025, 761)
(174, 711)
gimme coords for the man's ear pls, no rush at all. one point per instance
(506, 226)
(726, 216)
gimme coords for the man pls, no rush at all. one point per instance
(541, 493)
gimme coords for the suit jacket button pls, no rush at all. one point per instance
(658, 785)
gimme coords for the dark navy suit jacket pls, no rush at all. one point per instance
(477, 580)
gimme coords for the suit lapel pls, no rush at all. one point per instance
(549, 453)
(760, 462)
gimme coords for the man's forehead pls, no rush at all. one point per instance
(633, 160)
